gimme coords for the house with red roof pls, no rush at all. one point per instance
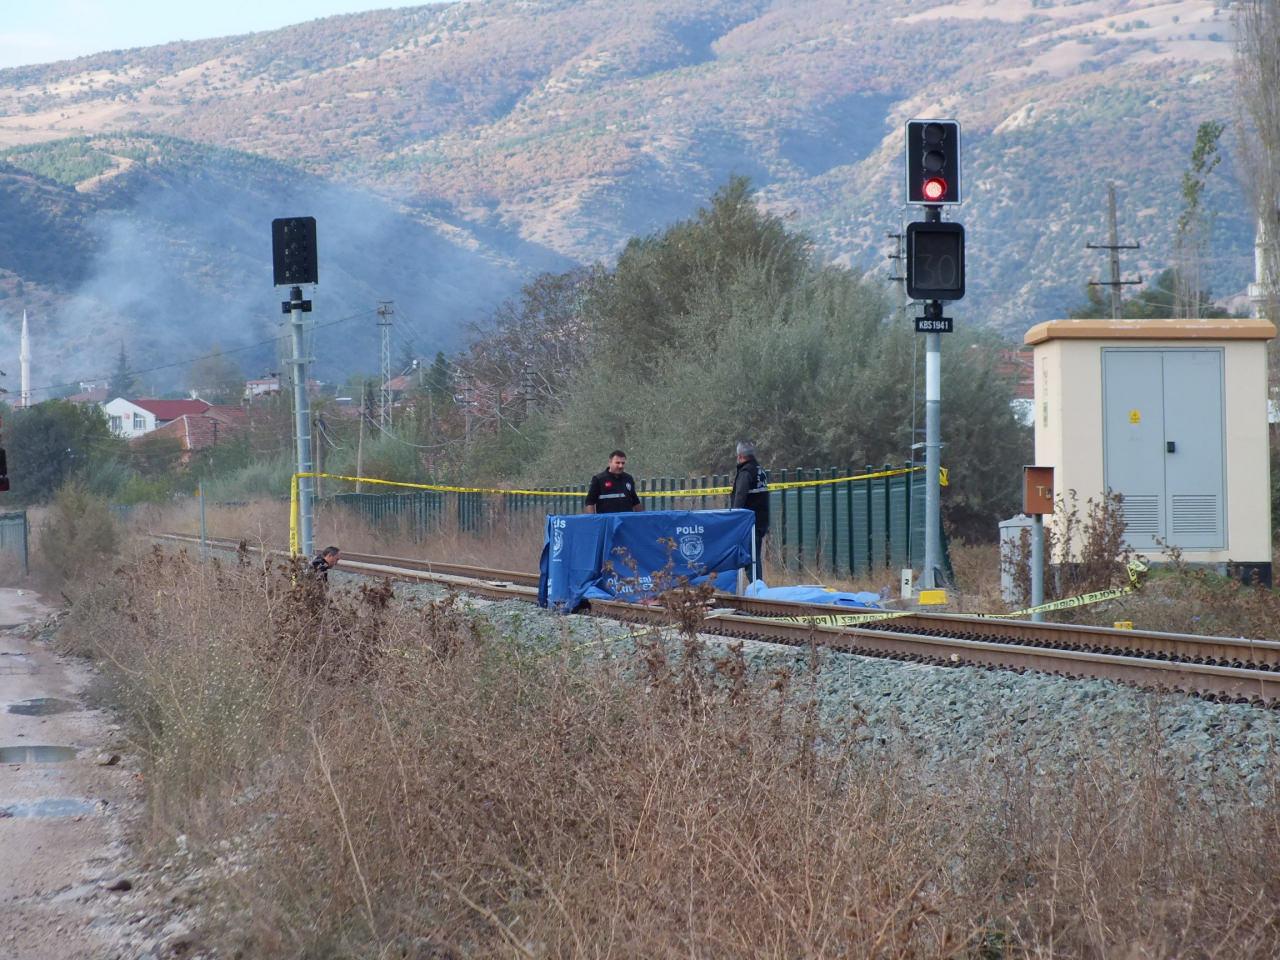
(134, 418)
(1017, 367)
(200, 431)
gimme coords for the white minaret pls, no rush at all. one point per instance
(1258, 289)
(24, 356)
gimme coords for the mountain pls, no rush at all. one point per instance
(519, 135)
(163, 246)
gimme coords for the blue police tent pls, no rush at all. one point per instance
(617, 556)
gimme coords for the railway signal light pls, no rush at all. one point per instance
(935, 261)
(293, 251)
(933, 161)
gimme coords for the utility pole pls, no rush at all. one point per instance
(898, 275)
(931, 576)
(896, 269)
(934, 259)
(24, 359)
(302, 422)
(321, 439)
(526, 389)
(1114, 246)
(366, 417)
(295, 262)
(466, 408)
(386, 309)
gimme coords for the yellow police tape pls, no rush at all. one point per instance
(1134, 569)
(446, 488)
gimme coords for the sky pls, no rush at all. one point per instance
(40, 31)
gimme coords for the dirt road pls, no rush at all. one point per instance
(64, 805)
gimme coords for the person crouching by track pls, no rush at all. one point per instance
(325, 561)
(613, 490)
(751, 492)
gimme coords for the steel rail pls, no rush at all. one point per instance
(1176, 662)
(1189, 648)
(410, 563)
(1193, 648)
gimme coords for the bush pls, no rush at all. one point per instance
(268, 477)
(1084, 550)
(53, 442)
(77, 535)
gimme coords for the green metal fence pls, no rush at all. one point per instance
(849, 527)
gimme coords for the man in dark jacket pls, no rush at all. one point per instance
(613, 490)
(325, 560)
(751, 492)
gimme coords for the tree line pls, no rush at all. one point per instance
(728, 325)
(723, 326)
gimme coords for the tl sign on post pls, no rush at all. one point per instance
(1037, 491)
(1037, 500)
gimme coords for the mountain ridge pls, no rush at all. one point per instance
(554, 131)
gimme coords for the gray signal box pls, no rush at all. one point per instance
(1163, 444)
(1172, 414)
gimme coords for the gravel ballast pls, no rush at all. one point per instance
(949, 716)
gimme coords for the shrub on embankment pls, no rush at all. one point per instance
(401, 779)
(76, 535)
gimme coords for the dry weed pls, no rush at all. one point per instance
(401, 780)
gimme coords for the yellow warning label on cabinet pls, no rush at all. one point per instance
(1135, 416)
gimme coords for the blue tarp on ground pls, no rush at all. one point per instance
(638, 548)
(814, 593)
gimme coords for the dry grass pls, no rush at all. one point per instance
(401, 780)
(977, 574)
(1182, 599)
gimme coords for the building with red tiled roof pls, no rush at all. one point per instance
(1018, 368)
(195, 432)
(133, 418)
(166, 410)
(229, 413)
(262, 387)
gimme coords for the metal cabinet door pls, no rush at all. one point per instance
(1193, 455)
(1133, 440)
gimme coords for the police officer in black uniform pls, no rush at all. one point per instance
(325, 561)
(751, 492)
(613, 490)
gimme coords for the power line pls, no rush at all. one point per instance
(419, 446)
(407, 319)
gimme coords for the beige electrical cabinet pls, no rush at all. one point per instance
(1172, 414)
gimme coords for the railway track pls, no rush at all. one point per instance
(1217, 668)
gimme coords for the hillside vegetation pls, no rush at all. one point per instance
(556, 130)
(163, 246)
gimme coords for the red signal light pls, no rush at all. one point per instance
(934, 189)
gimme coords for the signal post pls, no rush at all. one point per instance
(935, 274)
(294, 262)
